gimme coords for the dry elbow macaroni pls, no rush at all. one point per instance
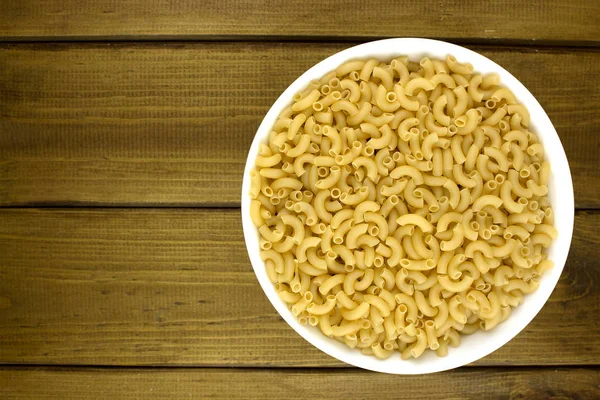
(402, 204)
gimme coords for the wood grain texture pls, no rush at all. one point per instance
(248, 384)
(537, 20)
(171, 124)
(175, 287)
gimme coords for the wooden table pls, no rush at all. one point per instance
(124, 127)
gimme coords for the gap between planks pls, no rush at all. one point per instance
(160, 39)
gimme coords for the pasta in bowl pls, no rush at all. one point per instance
(399, 203)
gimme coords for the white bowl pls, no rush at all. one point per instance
(480, 344)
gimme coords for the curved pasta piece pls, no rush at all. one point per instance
(297, 226)
(454, 196)
(368, 164)
(497, 155)
(456, 240)
(307, 101)
(308, 210)
(415, 219)
(447, 219)
(304, 245)
(454, 286)
(473, 88)
(380, 221)
(410, 304)
(506, 196)
(379, 303)
(468, 122)
(481, 246)
(417, 265)
(386, 101)
(406, 126)
(456, 67)
(383, 140)
(438, 110)
(418, 83)
(443, 79)
(331, 180)
(487, 200)
(409, 171)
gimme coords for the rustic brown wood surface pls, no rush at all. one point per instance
(175, 287)
(139, 114)
(245, 384)
(171, 124)
(575, 21)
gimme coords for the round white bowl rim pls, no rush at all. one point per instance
(470, 349)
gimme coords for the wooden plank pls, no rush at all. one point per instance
(175, 287)
(247, 384)
(170, 125)
(540, 20)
